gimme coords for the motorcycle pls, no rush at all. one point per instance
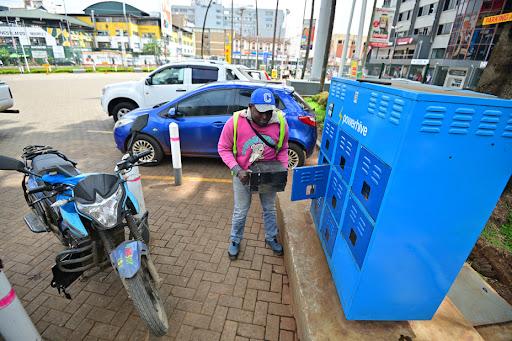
(97, 218)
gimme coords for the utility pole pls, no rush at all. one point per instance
(232, 32)
(204, 24)
(309, 39)
(328, 45)
(300, 40)
(365, 47)
(14, 43)
(347, 39)
(241, 32)
(257, 37)
(274, 39)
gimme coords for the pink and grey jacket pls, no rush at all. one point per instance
(248, 142)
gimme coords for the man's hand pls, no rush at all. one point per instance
(243, 176)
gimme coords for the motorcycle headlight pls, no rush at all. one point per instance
(103, 210)
(123, 122)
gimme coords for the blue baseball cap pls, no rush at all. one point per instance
(263, 99)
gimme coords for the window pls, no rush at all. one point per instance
(427, 9)
(37, 41)
(102, 33)
(216, 102)
(422, 31)
(437, 53)
(103, 45)
(202, 75)
(406, 15)
(450, 4)
(230, 75)
(444, 28)
(244, 97)
(169, 76)
(119, 33)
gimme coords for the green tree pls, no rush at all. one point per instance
(4, 55)
(152, 48)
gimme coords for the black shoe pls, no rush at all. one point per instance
(233, 250)
(275, 246)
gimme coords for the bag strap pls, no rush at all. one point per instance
(235, 127)
(261, 137)
(282, 130)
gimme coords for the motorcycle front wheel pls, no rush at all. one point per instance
(143, 291)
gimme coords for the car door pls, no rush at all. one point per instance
(201, 118)
(166, 84)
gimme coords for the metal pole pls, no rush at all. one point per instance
(306, 57)
(257, 37)
(23, 50)
(328, 45)
(204, 24)
(347, 38)
(69, 29)
(241, 34)
(300, 40)
(127, 26)
(232, 32)
(274, 39)
(365, 47)
(359, 41)
(93, 19)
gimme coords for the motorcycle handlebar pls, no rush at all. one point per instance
(40, 189)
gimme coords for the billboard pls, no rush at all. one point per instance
(381, 27)
(305, 34)
(166, 18)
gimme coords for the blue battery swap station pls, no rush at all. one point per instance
(407, 176)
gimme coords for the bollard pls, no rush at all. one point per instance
(174, 136)
(14, 321)
(132, 177)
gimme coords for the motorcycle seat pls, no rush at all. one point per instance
(46, 163)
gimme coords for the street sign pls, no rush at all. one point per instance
(353, 68)
(496, 19)
(419, 61)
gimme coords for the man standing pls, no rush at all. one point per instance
(240, 146)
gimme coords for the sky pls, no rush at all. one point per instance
(293, 21)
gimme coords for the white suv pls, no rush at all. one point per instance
(164, 84)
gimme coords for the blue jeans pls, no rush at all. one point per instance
(243, 203)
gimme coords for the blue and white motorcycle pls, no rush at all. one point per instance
(97, 218)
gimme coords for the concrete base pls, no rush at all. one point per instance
(316, 306)
(306, 88)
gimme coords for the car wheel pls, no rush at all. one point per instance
(122, 109)
(296, 155)
(143, 143)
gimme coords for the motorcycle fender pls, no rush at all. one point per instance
(126, 257)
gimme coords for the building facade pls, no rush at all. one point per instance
(183, 42)
(244, 18)
(442, 42)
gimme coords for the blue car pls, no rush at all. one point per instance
(201, 115)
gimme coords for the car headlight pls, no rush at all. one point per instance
(123, 122)
(103, 210)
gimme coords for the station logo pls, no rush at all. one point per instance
(357, 125)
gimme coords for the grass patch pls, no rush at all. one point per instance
(500, 236)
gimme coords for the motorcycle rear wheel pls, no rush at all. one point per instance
(145, 296)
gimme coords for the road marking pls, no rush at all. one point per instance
(100, 131)
(186, 178)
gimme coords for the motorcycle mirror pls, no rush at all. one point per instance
(8, 163)
(139, 123)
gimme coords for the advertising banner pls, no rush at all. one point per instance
(381, 27)
(496, 19)
(166, 18)
(305, 34)
(58, 51)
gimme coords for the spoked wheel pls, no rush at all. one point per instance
(296, 157)
(145, 142)
(144, 293)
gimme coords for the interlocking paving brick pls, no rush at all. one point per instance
(204, 293)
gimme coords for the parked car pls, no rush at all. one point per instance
(256, 74)
(6, 99)
(201, 115)
(164, 84)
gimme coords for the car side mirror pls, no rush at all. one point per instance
(8, 163)
(139, 123)
(172, 112)
(149, 81)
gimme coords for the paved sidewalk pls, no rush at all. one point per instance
(207, 296)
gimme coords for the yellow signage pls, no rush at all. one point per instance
(353, 68)
(496, 19)
(274, 73)
(227, 49)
